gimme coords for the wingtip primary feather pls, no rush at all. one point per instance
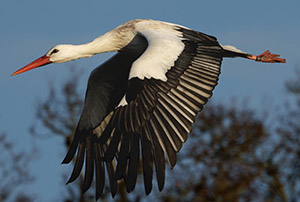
(147, 163)
(133, 164)
(72, 150)
(78, 164)
(89, 165)
(100, 173)
(123, 156)
(113, 146)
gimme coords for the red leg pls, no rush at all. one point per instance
(267, 57)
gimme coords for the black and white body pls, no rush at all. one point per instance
(141, 103)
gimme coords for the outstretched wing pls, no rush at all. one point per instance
(154, 110)
(106, 86)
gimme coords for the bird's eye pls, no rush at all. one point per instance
(54, 51)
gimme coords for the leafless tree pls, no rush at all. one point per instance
(14, 171)
(289, 132)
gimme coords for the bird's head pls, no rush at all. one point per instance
(57, 54)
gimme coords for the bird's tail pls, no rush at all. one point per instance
(267, 56)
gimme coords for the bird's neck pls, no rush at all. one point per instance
(109, 42)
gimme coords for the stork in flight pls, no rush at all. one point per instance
(142, 102)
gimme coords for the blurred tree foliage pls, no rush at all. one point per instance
(231, 155)
(288, 150)
(223, 160)
(14, 172)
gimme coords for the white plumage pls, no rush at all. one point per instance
(164, 47)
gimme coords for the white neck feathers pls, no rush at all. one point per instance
(108, 42)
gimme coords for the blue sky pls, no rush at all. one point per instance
(30, 28)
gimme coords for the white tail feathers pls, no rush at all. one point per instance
(232, 49)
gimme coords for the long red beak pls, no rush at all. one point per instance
(37, 63)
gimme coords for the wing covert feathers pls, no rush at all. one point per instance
(154, 122)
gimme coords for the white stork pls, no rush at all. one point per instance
(146, 97)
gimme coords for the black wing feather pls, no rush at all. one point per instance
(78, 163)
(113, 145)
(123, 156)
(89, 164)
(110, 166)
(100, 171)
(159, 159)
(72, 150)
(133, 164)
(147, 163)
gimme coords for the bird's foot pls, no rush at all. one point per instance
(267, 57)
